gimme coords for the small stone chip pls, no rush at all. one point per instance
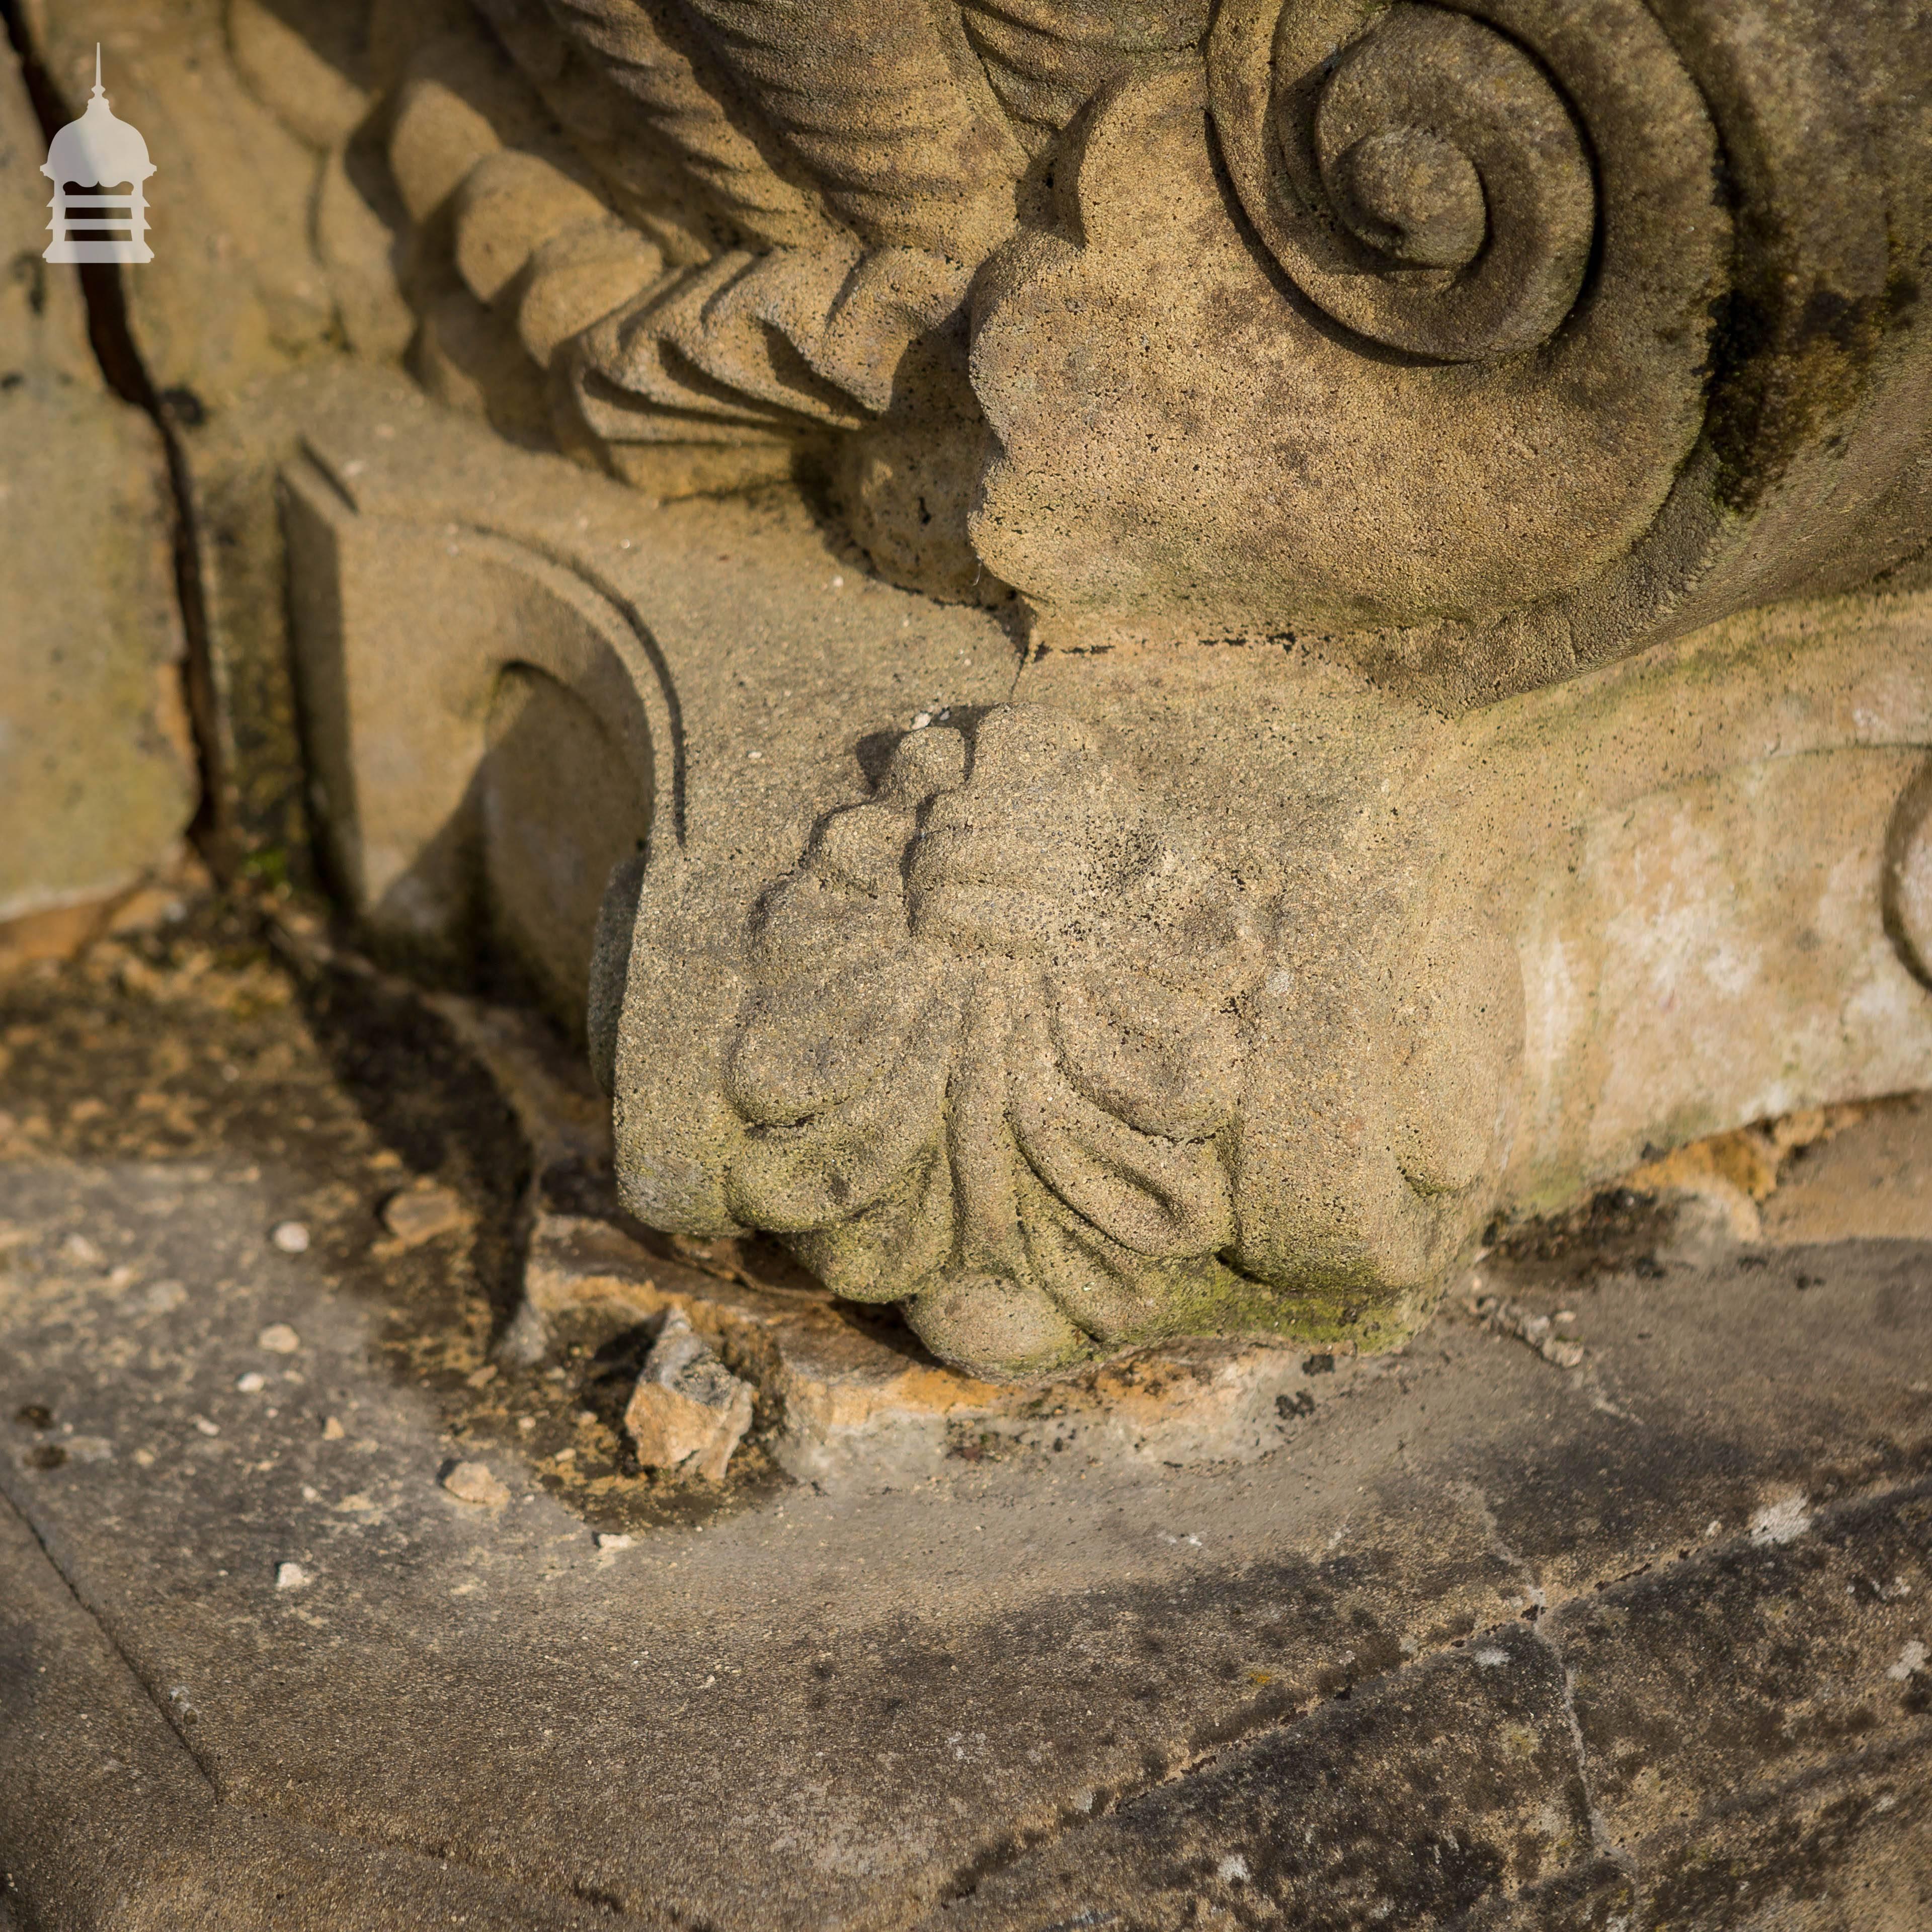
(253, 1383)
(421, 1212)
(290, 1577)
(688, 1409)
(472, 1483)
(1783, 1521)
(291, 1237)
(610, 1539)
(332, 1429)
(279, 1338)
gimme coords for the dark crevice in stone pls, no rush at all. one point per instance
(124, 373)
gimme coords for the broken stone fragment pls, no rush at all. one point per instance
(472, 1483)
(688, 1409)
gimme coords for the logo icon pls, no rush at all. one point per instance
(87, 157)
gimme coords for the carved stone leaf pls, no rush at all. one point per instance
(895, 1245)
(1109, 1291)
(844, 905)
(865, 847)
(813, 922)
(812, 1043)
(1157, 1197)
(1138, 1050)
(846, 1159)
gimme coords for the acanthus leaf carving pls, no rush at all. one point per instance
(1012, 982)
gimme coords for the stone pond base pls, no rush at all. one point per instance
(1603, 1604)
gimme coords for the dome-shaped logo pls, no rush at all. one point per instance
(90, 159)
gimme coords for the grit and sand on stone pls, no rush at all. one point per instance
(1081, 1674)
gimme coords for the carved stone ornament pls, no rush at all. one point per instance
(1209, 642)
(996, 1052)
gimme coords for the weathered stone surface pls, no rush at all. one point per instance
(1423, 329)
(228, 174)
(96, 770)
(252, 113)
(1115, 994)
(1451, 1784)
(1036, 1007)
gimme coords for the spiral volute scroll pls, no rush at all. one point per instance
(1436, 180)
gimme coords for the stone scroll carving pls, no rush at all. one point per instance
(1490, 341)
(1087, 915)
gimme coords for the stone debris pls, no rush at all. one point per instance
(422, 1211)
(687, 1408)
(206, 1427)
(279, 1338)
(1783, 1521)
(1536, 1331)
(331, 1429)
(253, 1383)
(614, 1540)
(858, 1401)
(472, 1483)
(291, 1576)
(291, 1237)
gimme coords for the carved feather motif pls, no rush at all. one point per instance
(888, 107)
(1047, 59)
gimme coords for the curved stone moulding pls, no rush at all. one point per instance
(487, 732)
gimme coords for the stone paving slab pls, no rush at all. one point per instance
(1034, 1689)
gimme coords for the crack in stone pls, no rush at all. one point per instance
(99, 1623)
